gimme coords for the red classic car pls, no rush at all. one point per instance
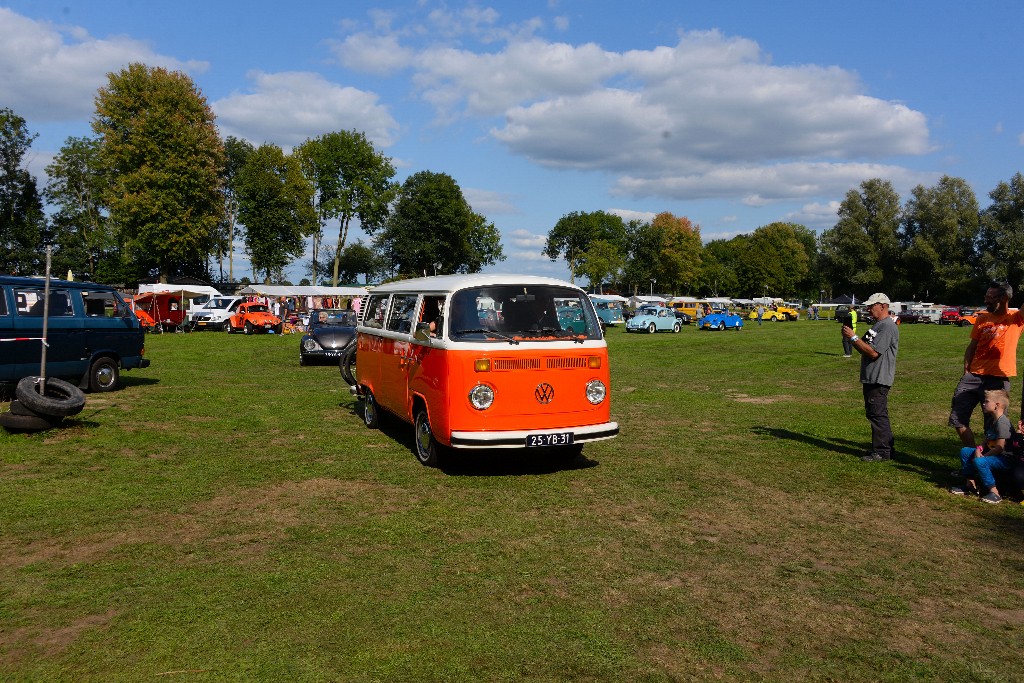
(253, 317)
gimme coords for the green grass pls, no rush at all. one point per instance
(227, 516)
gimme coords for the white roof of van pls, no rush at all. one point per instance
(450, 283)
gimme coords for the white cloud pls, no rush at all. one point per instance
(629, 215)
(815, 216)
(379, 55)
(488, 202)
(52, 73)
(525, 240)
(760, 185)
(286, 108)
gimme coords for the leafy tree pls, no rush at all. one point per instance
(1002, 232)
(359, 259)
(862, 250)
(573, 233)
(236, 154)
(679, 256)
(940, 230)
(433, 229)
(718, 266)
(163, 156)
(76, 187)
(275, 204)
(601, 261)
(351, 179)
(774, 261)
(22, 222)
(645, 243)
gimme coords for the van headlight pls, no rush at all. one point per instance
(309, 344)
(596, 391)
(481, 396)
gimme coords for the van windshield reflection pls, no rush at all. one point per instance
(516, 312)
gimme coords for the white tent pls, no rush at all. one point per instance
(641, 300)
(608, 297)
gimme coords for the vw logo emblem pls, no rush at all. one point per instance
(544, 393)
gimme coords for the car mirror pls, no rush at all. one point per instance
(422, 332)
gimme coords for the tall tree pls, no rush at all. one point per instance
(679, 257)
(434, 229)
(774, 261)
(76, 187)
(645, 243)
(940, 232)
(236, 154)
(719, 259)
(573, 233)
(602, 261)
(275, 204)
(862, 251)
(1002, 233)
(351, 179)
(22, 222)
(163, 157)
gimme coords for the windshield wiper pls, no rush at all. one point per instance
(481, 330)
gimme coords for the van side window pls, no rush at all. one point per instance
(31, 303)
(103, 305)
(403, 312)
(374, 310)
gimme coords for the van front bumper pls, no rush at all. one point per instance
(518, 438)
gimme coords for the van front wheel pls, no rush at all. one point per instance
(103, 375)
(427, 448)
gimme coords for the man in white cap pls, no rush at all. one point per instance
(877, 351)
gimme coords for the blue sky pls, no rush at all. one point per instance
(734, 114)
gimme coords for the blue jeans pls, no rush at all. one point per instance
(987, 467)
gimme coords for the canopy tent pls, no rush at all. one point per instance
(185, 291)
(608, 297)
(302, 290)
(641, 300)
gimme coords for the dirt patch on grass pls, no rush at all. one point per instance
(21, 644)
(240, 523)
(763, 400)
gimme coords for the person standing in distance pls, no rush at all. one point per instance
(990, 359)
(877, 371)
(849, 320)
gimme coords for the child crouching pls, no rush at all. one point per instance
(981, 463)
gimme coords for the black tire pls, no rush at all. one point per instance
(371, 411)
(279, 328)
(347, 364)
(27, 423)
(104, 375)
(19, 408)
(776, 319)
(61, 398)
(247, 328)
(652, 328)
(428, 451)
(721, 326)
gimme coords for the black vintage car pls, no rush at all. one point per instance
(327, 334)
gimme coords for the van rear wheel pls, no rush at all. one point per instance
(103, 375)
(427, 449)
(371, 413)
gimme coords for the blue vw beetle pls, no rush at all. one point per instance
(722, 321)
(653, 319)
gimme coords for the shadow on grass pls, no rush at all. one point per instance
(930, 458)
(495, 462)
(137, 381)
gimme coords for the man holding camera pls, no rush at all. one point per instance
(990, 360)
(878, 350)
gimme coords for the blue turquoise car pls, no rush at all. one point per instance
(609, 311)
(722, 321)
(653, 319)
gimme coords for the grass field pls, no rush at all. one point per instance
(227, 516)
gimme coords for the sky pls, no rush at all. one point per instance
(735, 114)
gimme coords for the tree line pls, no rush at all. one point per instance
(156, 193)
(938, 245)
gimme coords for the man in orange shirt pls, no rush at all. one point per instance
(990, 359)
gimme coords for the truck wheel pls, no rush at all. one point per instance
(103, 375)
(427, 448)
(60, 400)
(371, 413)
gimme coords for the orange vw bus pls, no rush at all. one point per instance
(482, 361)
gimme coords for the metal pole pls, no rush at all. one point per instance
(46, 324)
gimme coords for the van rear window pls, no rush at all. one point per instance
(103, 304)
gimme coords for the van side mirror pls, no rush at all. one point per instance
(422, 332)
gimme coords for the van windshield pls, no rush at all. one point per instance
(502, 312)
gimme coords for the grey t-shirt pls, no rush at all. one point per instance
(884, 337)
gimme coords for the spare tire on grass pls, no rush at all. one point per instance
(60, 400)
(28, 423)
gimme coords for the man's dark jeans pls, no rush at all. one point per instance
(876, 407)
